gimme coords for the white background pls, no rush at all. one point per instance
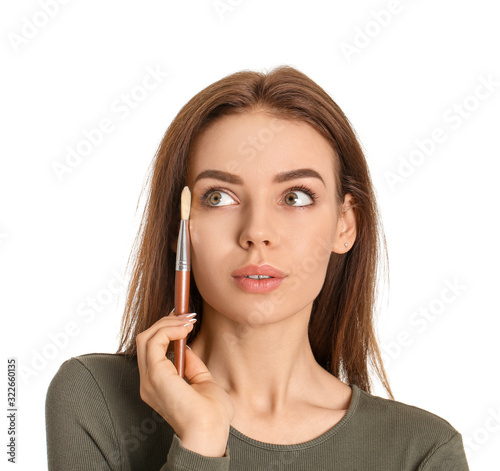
(66, 240)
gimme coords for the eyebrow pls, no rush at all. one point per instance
(278, 178)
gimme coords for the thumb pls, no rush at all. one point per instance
(196, 372)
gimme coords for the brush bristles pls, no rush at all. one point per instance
(185, 203)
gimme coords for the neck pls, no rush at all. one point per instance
(263, 367)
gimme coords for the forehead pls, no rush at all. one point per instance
(259, 142)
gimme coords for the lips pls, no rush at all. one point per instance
(265, 278)
(263, 270)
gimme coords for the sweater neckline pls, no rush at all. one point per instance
(356, 392)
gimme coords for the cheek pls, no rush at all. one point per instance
(312, 238)
(209, 249)
(204, 245)
(310, 248)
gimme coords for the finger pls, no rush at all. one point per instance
(196, 371)
(166, 321)
(157, 345)
(172, 314)
(187, 314)
(142, 339)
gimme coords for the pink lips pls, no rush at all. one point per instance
(258, 286)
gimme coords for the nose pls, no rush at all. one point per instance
(258, 229)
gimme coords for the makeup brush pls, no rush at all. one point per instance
(182, 276)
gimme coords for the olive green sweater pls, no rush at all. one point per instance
(96, 420)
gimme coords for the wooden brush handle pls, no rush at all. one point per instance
(181, 307)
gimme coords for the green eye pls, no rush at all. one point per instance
(300, 197)
(217, 198)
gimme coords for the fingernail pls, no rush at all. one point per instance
(190, 322)
(189, 347)
(187, 315)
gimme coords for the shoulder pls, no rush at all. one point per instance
(93, 377)
(417, 433)
(100, 361)
(100, 367)
(400, 415)
(94, 401)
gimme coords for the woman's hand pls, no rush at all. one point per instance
(199, 412)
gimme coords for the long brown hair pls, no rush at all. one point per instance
(341, 327)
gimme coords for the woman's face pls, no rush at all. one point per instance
(263, 193)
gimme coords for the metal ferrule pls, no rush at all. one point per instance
(183, 258)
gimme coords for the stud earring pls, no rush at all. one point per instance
(345, 245)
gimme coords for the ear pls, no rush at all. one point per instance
(346, 226)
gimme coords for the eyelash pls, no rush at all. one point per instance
(302, 188)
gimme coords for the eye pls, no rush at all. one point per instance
(299, 198)
(216, 198)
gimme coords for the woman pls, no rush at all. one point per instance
(285, 247)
